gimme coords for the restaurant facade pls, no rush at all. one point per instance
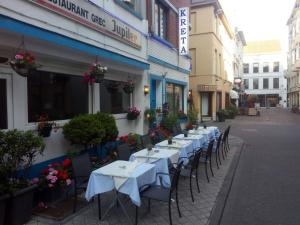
(136, 40)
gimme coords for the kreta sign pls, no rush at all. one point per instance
(183, 31)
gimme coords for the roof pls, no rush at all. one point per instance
(267, 46)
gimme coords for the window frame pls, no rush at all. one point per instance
(174, 85)
(254, 67)
(55, 119)
(246, 64)
(266, 68)
(265, 79)
(157, 21)
(246, 84)
(254, 87)
(275, 78)
(274, 67)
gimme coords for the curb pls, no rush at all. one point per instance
(218, 210)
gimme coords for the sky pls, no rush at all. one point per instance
(260, 19)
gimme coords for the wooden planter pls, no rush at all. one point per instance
(19, 206)
(3, 203)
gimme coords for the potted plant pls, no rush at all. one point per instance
(128, 86)
(3, 188)
(95, 74)
(45, 126)
(133, 113)
(23, 63)
(134, 140)
(221, 114)
(19, 149)
(52, 181)
(150, 115)
(168, 122)
(85, 130)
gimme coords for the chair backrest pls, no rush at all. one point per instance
(81, 166)
(124, 152)
(146, 140)
(175, 179)
(209, 149)
(219, 141)
(195, 162)
(225, 134)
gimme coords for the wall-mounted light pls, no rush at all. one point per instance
(190, 93)
(146, 89)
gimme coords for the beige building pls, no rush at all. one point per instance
(212, 47)
(293, 62)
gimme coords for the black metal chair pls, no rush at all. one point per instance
(216, 150)
(146, 140)
(192, 168)
(124, 151)
(81, 168)
(227, 138)
(224, 143)
(163, 194)
(206, 154)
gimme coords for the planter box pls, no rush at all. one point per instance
(49, 195)
(19, 206)
(3, 203)
(252, 112)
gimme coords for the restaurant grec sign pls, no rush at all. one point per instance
(94, 18)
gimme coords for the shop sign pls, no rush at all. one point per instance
(93, 17)
(206, 88)
(183, 31)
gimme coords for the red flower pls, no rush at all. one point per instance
(55, 165)
(66, 163)
(62, 174)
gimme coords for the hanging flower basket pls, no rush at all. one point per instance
(128, 87)
(23, 63)
(133, 113)
(95, 75)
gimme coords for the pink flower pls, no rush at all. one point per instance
(68, 182)
(49, 177)
(35, 180)
(19, 56)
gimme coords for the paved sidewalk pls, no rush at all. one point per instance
(196, 213)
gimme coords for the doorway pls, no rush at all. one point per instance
(5, 102)
(205, 104)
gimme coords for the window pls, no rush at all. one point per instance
(160, 18)
(60, 96)
(132, 6)
(174, 97)
(255, 67)
(255, 83)
(246, 68)
(276, 67)
(266, 83)
(246, 83)
(3, 104)
(112, 97)
(266, 67)
(275, 83)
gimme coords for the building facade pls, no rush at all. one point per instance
(212, 46)
(264, 73)
(293, 60)
(135, 40)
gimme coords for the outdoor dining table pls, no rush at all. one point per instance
(160, 158)
(185, 147)
(123, 177)
(198, 140)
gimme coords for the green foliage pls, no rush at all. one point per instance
(168, 122)
(150, 115)
(18, 150)
(84, 130)
(222, 115)
(232, 111)
(192, 116)
(108, 123)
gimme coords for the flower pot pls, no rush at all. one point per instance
(3, 203)
(19, 206)
(128, 89)
(49, 195)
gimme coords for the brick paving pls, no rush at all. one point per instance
(196, 213)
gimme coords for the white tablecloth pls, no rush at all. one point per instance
(199, 141)
(102, 180)
(160, 158)
(185, 148)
